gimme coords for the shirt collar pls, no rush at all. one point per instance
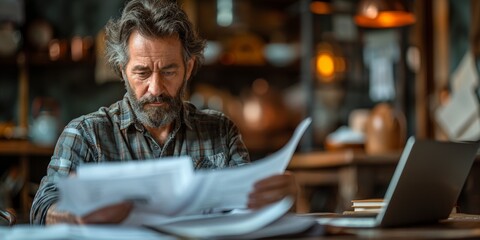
(127, 116)
(186, 111)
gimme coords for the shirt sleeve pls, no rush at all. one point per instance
(71, 148)
(237, 150)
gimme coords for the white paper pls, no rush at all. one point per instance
(472, 132)
(154, 185)
(460, 117)
(466, 73)
(79, 232)
(226, 224)
(457, 116)
(229, 188)
(167, 190)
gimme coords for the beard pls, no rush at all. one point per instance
(156, 116)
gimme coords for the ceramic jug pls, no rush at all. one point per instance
(385, 130)
(44, 129)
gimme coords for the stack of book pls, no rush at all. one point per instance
(370, 206)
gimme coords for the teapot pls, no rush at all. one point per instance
(45, 126)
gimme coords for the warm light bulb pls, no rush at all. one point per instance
(383, 14)
(325, 65)
(371, 11)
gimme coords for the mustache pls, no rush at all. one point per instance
(154, 99)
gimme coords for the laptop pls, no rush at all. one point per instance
(424, 187)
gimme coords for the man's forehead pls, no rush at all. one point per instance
(155, 48)
(137, 35)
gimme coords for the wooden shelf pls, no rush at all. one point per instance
(246, 69)
(24, 148)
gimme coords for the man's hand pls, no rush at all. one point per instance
(111, 214)
(272, 189)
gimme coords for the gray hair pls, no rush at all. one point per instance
(151, 18)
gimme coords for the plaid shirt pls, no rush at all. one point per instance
(114, 134)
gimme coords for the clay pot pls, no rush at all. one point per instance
(385, 130)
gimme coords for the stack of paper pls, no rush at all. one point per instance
(169, 196)
(366, 206)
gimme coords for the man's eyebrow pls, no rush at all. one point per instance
(139, 68)
(143, 68)
(170, 66)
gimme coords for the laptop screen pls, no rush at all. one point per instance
(427, 181)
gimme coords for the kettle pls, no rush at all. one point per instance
(45, 126)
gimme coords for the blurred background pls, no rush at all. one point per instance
(368, 82)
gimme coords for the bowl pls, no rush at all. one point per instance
(212, 52)
(280, 54)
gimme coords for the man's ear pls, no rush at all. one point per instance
(190, 64)
(124, 75)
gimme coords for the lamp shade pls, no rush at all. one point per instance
(383, 14)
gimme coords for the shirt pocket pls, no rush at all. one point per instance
(211, 162)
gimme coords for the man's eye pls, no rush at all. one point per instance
(168, 73)
(143, 74)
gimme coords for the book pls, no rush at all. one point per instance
(368, 203)
(366, 207)
(169, 196)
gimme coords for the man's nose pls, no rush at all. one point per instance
(156, 87)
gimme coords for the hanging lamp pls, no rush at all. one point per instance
(383, 14)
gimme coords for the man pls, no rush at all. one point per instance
(154, 48)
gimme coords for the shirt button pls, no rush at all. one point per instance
(155, 146)
(139, 127)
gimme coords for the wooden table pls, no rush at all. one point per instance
(24, 150)
(354, 172)
(458, 226)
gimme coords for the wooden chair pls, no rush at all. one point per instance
(7, 218)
